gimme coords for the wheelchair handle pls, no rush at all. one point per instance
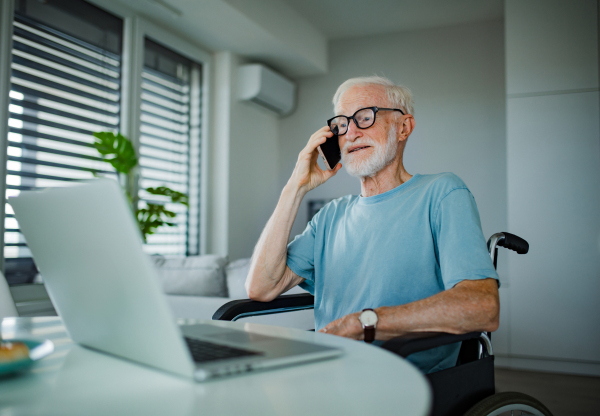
(514, 243)
(508, 240)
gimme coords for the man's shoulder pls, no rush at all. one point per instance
(340, 203)
(442, 183)
(334, 207)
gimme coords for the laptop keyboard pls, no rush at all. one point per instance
(203, 351)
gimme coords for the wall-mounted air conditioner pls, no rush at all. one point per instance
(265, 87)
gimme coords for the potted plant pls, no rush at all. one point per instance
(117, 150)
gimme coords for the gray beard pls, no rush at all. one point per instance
(382, 157)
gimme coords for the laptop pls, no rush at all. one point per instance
(88, 248)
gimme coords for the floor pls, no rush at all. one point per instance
(563, 395)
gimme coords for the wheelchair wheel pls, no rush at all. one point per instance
(509, 403)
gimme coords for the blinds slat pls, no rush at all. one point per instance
(165, 93)
(75, 135)
(58, 68)
(162, 80)
(162, 165)
(160, 102)
(181, 179)
(55, 107)
(72, 97)
(20, 112)
(102, 69)
(63, 82)
(161, 112)
(161, 123)
(53, 145)
(57, 161)
(89, 50)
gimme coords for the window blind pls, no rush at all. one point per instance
(62, 90)
(170, 144)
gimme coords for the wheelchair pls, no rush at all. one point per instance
(466, 389)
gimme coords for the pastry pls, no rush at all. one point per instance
(13, 351)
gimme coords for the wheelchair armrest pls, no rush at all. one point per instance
(236, 309)
(409, 344)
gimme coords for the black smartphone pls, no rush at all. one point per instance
(330, 151)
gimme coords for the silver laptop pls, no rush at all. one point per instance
(88, 248)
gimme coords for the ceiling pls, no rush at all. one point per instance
(292, 36)
(338, 19)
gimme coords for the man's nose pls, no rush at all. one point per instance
(353, 132)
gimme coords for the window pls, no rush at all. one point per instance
(170, 143)
(64, 86)
(66, 83)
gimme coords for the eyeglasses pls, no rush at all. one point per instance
(363, 119)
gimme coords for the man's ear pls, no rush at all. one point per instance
(406, 127)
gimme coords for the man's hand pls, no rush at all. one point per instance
(307, 174)
(347, 326)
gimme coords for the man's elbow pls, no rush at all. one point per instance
(492, 312)
(256, 294)
(252, 292)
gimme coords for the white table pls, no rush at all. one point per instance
(74, 380)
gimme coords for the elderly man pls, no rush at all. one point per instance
(406, 255)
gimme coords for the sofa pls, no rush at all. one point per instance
(196, 286)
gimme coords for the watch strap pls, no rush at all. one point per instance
(369, 334)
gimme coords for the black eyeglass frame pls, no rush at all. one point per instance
(375, 111)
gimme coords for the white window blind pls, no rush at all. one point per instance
(62, 90)
(170, 144)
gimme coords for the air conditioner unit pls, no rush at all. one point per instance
(263, 86)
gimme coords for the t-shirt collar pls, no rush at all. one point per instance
(369, 200)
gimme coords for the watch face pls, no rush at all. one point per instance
(368, 318)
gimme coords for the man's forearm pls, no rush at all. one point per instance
(266, 277)
(469, 306)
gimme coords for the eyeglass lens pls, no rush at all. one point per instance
(363, 118)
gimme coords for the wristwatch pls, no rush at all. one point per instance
(368, 319)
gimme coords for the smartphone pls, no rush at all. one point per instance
(330, 151)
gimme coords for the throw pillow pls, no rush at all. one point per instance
(236, 273)
(192, 276)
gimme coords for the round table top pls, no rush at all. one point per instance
(74, 380)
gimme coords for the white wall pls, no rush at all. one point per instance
(457, 77)
(254, 175)
(244, 157)
(553, 143)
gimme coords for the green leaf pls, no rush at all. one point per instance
(116, 150)
(152, 217)
(176, 197)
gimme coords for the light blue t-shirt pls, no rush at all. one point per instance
(401, 246)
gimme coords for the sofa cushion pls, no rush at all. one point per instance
(236, 273)
(192, 276)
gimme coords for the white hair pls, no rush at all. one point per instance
(398, 95)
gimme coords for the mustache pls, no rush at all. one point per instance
(363, 142)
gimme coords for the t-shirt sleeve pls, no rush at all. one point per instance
(461, 246)
(301, 256)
